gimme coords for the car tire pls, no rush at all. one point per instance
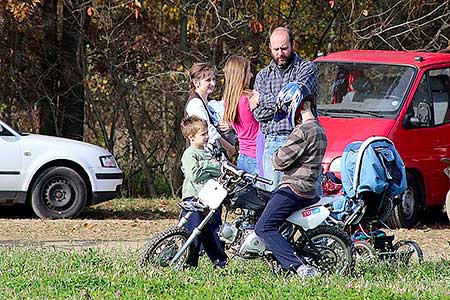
(404, 214)
(447, 204)
(58, 193)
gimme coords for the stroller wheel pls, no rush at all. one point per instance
(364, 251)
(408, 253)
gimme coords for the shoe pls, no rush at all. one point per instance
(304, 271)
(220, 264)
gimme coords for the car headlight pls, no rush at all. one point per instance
(108, 161)
(335, 165)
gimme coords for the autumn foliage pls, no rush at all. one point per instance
(131, 56)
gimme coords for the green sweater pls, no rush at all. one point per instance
(198, 166)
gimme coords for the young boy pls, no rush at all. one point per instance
(300, 160)
(198, 166)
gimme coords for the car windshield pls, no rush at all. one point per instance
(4, 130)
(363, 90)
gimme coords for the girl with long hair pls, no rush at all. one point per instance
(237, 111)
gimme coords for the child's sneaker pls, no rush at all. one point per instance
(304, 271)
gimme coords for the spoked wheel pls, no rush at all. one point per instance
(161, 249)
(332, 250)
(364, 251)
(408, 253)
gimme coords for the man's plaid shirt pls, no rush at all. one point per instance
(300, 158)
(270, 80)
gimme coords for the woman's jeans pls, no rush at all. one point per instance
(247, 164)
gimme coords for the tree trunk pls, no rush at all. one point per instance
(47, 106)
(72, 69)
(180, 144)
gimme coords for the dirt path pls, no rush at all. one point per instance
(78, 234)
(131, 234)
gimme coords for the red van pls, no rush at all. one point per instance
(401, 95)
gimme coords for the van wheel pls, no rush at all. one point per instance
(404, 214)
(58, 193)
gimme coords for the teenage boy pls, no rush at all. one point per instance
(300, 160)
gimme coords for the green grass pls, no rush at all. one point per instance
(93, 274)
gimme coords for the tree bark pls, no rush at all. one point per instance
(72, 69)
(47, 105)
(180, 144)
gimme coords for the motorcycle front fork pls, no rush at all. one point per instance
(195, 233)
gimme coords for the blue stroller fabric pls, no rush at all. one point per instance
(382, 169)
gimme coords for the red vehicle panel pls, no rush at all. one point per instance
(402, 95)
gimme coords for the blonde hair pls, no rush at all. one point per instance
(235, 70)
(191, 125)
(199, 71)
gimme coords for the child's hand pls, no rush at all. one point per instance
(224, 125)
(253, 102)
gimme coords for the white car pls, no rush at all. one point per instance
(57, 177)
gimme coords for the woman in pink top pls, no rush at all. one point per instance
(237, 110)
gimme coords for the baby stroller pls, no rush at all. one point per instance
(373, 175)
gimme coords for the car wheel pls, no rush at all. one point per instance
(404, 214)
(57, 193)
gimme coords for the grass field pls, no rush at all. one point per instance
(92, 274)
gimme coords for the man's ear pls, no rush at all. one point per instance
(293, 45)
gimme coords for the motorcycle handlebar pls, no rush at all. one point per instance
(243, 174)
(258, 178)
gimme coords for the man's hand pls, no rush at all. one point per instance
(253, 102)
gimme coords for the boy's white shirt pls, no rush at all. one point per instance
(195, 107)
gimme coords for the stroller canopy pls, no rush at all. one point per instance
(373, 165)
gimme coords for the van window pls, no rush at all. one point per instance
(362, 89)
(434, 89)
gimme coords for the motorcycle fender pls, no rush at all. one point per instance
(212, 194)
(309, 217)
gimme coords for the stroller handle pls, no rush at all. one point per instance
(361, 150)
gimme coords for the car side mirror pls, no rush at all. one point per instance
(424, 113)
(420, 118)
(414, 122)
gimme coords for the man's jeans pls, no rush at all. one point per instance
(272, 143)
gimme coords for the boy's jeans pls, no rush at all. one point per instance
(272, 143)
(214, 248)
(281, 205)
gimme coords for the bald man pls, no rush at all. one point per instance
(286, 66)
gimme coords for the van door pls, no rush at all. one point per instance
(10, 164)
(430, 138)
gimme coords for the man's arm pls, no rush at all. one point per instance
(306, 77)
(266, 101)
